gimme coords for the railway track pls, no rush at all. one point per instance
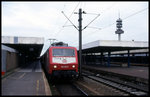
(127, 87)
(64, 87)
(67, 88)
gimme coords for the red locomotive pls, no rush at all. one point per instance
(60, 60)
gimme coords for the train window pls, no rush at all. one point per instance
(63, 52)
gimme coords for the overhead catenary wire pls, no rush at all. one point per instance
(102, 12)
(67, 20)
(97, 16)
(86, 13)
(71, 13)
(91, 21)
(109, 7)
(94, 27)
(122, 19)
(135, 13)
(115, 22)
(70, 20)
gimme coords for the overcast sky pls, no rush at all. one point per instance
(45, 19)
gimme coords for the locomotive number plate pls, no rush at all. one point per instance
(64, 66)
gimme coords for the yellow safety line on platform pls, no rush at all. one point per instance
(47, 87)
(22, 75)
(14, 77)
(37, 87)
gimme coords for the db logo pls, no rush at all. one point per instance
(64, 61)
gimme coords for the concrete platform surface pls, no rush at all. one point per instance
(29, 80)
(135, 71)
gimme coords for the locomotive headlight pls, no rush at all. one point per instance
(73, 66)
(55, 66)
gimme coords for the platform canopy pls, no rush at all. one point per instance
(112, 45)
(22, 40)
(27, 46)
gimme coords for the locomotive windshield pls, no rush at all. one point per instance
(63, 52)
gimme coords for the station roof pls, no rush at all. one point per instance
(22, 40)
(28, 46)
(112, 45)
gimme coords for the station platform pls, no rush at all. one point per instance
(26, 81)
(136, 72)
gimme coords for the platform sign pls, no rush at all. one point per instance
(16, 40)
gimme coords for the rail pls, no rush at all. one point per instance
(124, 86)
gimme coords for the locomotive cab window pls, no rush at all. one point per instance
(63, 52)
